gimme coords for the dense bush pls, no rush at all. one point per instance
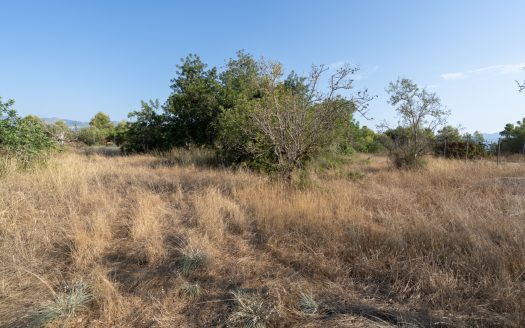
(451, 144)
(92, 136)
(147, 131)
(100, 131)
(23, 139)
(60, 132)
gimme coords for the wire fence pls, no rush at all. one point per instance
(498, 151)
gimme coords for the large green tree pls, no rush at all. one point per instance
(241, 87)
(193, 106)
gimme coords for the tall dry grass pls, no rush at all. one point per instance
(145, 241)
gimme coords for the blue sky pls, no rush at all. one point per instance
(71, 59)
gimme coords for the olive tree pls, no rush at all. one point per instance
(295, 119)
(420, 114)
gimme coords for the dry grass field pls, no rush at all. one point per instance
(95, 240)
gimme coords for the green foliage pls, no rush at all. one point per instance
(99, 132)
(252, 115)
(420, 113)
(121, 132)
(513, 137)
(477, 137)
(24, 139)
(361, 139)
(449, 133)
(101, 121)
(147, 131)
(451, 144)
(92, 136)
(277, 124)
(192, 108)
(241, 83)
(462, 149)
(60, 132)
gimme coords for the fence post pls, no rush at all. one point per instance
(499, 149)
(445, 149)
(466, 155)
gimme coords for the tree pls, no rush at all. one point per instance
(147, 130)
(449, 134)
(514, 137)
(100, 130)
(361, 139)
(294, 120)
(241, 88)
(477, 137)
(420, 112)
(193, 107)
(101, 121)
(121, 131)
(60, 131)
(92, 136)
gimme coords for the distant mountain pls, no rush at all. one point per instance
(70, 123)
(491, 137)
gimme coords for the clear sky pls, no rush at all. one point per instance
(71, 59)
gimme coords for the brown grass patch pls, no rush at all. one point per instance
(172, 241)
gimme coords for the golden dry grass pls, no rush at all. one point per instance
(170, 242)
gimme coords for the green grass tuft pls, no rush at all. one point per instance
(65, 305)
(192, 260)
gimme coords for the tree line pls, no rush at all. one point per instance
(254, 114)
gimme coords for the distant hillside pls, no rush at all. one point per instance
(70, 123)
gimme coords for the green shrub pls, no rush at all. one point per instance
(25, 140)
(93, 136)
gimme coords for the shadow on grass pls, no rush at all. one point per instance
(417, 318)
(106, 151)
